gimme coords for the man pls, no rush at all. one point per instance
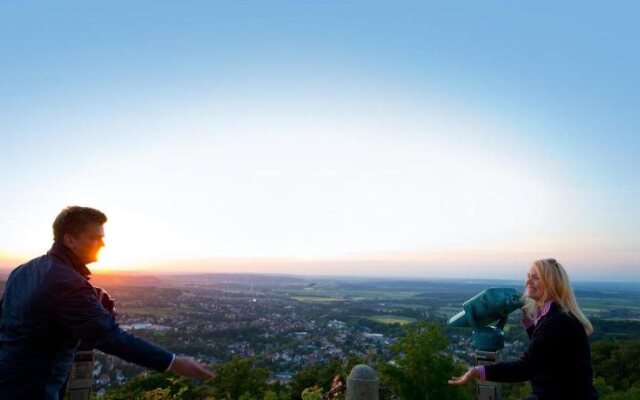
(49, 306)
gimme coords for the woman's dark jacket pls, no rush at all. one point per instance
(557, 361)
(47, 308)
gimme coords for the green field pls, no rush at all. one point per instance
(392, 319)
(346, 294)
(607, 308)
(314, 299)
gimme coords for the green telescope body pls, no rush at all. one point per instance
(491, 306)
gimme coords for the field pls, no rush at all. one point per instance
(392, 319)
(625, 307)
(314, 299)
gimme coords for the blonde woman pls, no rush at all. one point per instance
(558, 358)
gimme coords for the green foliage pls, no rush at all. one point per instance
(320, 375)
(239, 378)
(422, 367)
(352, 362)
(313, 393)
(608, 393)
(603, 389)
(617, 362)
(617, 369)
(157, 394)
(158, 386)
(270, 395)
(516, 391)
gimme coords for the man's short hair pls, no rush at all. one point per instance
(74, 219)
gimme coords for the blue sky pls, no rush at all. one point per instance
(419, 139)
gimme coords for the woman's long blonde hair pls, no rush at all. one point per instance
(558, 288)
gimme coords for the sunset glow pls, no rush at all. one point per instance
(368, 149)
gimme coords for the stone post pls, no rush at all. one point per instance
(362, 383)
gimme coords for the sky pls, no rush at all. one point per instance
(413, 139)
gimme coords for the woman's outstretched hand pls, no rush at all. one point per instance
(470, 375)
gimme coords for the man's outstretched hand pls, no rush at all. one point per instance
(470, 375)
(187, 366)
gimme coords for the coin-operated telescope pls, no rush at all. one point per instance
(490, 306)
(486, 313)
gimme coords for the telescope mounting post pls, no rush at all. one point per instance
(488, 390)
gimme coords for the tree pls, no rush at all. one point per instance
(320, 375)
(516, 391)
(631, 393)
(421, 366)
(617, 362)
(313, 393)
(239, 377)
(158, 386)
(352, 361)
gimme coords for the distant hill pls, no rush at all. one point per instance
(125, 279)
(224, 278)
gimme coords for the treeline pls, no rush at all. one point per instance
(420, 369)
(615, 330)
(617, 368)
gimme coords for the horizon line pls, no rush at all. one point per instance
(160, 274)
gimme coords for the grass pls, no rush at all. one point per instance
(392, 319)
(314, 299)
(341, 293)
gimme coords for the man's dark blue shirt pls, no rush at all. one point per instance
(48, 307)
